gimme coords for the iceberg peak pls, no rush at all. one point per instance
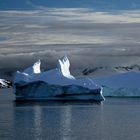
(63, 66)
(33, 69)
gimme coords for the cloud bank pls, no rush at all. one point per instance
(88, 37)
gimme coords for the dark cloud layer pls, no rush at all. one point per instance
(90, 39)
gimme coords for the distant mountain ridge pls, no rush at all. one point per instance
(90, 71)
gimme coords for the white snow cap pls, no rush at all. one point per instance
(34, 69)
(63, 65)
(3, 82)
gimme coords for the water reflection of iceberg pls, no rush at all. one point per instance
(65, 122)
(55, 84)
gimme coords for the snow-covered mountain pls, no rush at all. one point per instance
(5, 83)
(114, 69)
(57, 83)
(124, 84)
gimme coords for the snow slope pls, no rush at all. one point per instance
(124, 84)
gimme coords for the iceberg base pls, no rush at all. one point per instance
(68, 98)
(44, 91)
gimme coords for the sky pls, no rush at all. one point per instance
(93, 34)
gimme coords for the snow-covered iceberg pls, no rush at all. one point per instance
(5, 83)
(55, 84)
(122, 85)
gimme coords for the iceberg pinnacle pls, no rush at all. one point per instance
(54, 84)
(63, 65)
(34, 69)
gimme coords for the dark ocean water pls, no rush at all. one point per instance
(114, 119)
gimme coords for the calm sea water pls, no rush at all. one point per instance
(114, 119)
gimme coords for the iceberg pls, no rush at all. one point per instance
(120, 85)
(5, 83)
(55, 84)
